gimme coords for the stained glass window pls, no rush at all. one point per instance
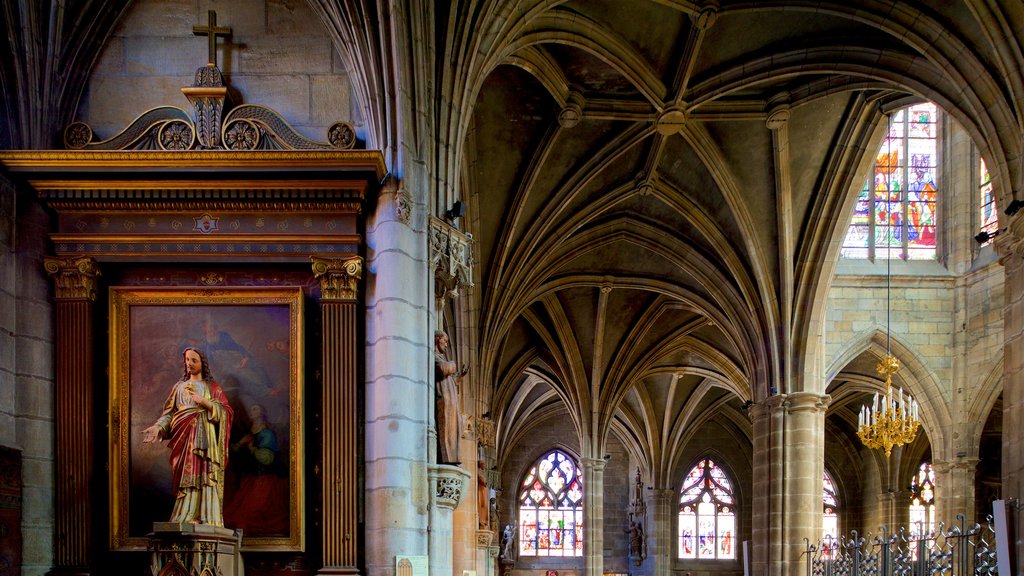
(707, 515)
(551, 508)
(895, 213)
(830, 516)
(989, 217)
(922, 500)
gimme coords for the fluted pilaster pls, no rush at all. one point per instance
(74, 281)
(339, 281)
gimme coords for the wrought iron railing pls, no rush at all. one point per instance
(958, 551)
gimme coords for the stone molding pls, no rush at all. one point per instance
(74, 277)
(339, 278)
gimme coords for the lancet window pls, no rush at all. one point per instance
(989, 219)
(922, 500)
(829, 515)
(551, 507)
(895, 215)
(707, 514)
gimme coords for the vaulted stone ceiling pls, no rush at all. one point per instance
(657, 189)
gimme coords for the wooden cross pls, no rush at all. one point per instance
(211, 30)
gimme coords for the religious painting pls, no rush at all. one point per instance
(251, 339)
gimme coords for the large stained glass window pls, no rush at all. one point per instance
(895, 213)
(830, 516)
(922, 500)
(551, 508)
(707, 515)
(989, 217)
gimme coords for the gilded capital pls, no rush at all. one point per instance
(74, 277)
(339, 278)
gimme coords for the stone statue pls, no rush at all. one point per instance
(507, 542)
(196, 422)
(447, 413)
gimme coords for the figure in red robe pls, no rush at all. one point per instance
(196, 422)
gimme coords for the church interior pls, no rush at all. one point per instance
(511, 287)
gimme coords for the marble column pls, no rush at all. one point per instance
(339, 282)
(662, 537)
(74, 281)
(593, 516)
(448, 485)
(399, 374)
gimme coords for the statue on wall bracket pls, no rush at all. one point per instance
(214, 124)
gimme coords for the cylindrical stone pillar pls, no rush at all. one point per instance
(662, 501)
(804, 450)
(447, 486)
(399, 372)
(767, 516)
(74, 281)
(593, 515)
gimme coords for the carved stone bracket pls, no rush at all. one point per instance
(74, 277)
(451, 258)
(339, 278)
(449, 483)
(484, 538)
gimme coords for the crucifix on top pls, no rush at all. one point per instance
(208, 93)
(211, 30)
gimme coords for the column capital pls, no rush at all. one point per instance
(943, 466)
(339, 277)
(447, 484)
(593, 464)
(807, 402)
(74, 277)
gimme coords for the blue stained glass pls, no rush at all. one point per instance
(550, 514)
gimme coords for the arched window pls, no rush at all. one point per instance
(895, 213)
(830, 515)
(551, 508)
(707, 519)
(988, 216)
(922, 500)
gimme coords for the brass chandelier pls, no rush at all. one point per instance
(890, 420)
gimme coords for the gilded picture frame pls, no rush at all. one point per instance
(252, 338)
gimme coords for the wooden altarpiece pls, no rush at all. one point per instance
(201, 225)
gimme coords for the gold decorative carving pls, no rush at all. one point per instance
(74, 277)
(339, 278)
(451, 258)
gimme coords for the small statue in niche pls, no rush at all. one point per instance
(447, 414)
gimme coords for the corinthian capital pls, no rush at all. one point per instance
(339, 278)
(74, 277)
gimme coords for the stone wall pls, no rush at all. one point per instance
(26, 368)
(274, 58)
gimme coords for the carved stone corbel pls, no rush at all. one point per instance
(339, 278)
(451, 259)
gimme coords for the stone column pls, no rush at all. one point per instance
(662, 501)
(74, 281)
(1011, 247)
(766, 530)
(448, 484)
(954, 489)
(804, 457)
(593, 515)
(339, 282)
(399, 375)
